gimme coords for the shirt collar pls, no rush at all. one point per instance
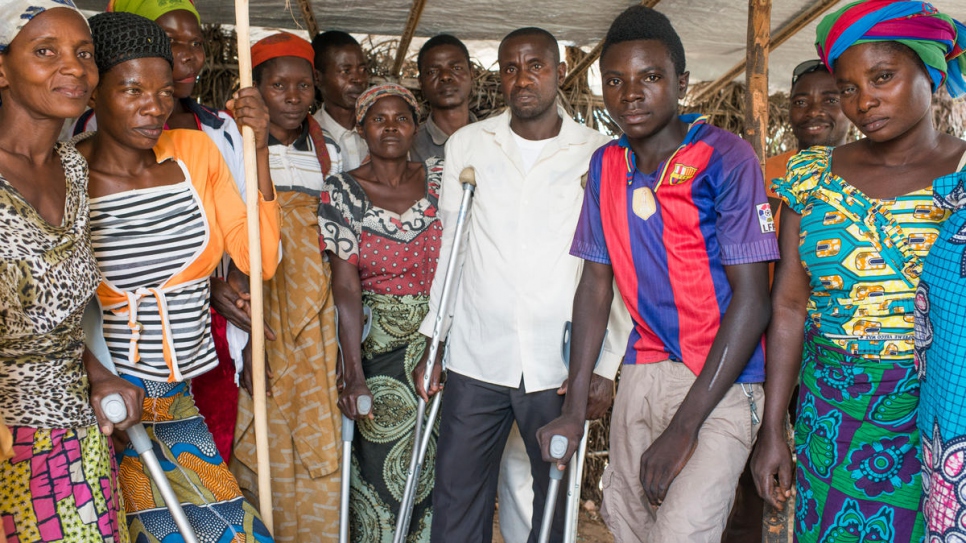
(694, 121)
(205, 116)
(332, 126)
(436, 133)
(570, 133)
(301, 143)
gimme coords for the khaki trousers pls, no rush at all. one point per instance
(699, 499)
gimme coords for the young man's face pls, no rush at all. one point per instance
(641, 86)
(343, 76)
(445, 77)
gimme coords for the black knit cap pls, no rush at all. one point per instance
(120, 37)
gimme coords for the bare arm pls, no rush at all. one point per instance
(347, 291)
(741, 329)
(103, 383)
(592, 303)
(249, 109)
(772, 461)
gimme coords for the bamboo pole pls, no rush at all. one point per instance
(255, 257)
(588, 61)
(780, 36)
(415, 13)
(309, 17)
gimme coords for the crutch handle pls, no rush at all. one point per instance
(113, 407)
(364, 404)
(558, 446)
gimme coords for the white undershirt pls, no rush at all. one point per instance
(530, 150)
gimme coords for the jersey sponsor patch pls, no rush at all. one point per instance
(765, 221)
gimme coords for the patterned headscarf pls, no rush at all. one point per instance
(152, 9)
(371, 96)
(282, 44)
(938, 39)
(17, 13)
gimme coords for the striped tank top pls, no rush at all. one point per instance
(141, 238)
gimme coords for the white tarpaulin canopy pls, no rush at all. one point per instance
(713, 31)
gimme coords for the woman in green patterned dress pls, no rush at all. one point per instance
(382, 237)
(856, 223)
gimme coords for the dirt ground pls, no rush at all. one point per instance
(590, 529)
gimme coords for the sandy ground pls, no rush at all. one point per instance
(590, 529)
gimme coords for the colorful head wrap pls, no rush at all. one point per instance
(371, 96)
(282, 44)
(938, 39)
(17, 13)
(152, 9)
(120, 37)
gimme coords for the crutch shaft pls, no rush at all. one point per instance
(420, 444)
(574, 479)
(116, 411)
(363, 406)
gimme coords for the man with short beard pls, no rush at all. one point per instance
(446, 81)
(515, 294)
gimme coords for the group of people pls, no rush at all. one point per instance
(139, 211)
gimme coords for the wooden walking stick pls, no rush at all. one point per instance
(255, 256)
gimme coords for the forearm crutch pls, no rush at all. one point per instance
(420, 437)
(363, 407)
(116, 411)
(558, 447)
(575, 475)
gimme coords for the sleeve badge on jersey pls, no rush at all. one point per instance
(765, 221)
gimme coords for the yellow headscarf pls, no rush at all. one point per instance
(152, 9)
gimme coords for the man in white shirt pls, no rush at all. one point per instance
(342, 74)
(515, 294)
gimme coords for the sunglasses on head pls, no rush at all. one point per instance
(807, 67)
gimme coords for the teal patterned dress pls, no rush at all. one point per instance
(396, 256)
(856, 440)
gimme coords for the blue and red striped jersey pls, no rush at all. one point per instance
(669, 234)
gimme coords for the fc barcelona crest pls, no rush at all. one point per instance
(682, 174)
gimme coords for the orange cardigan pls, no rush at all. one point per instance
(226, 217)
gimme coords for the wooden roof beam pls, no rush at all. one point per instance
(779, 37)
(415, 13)
(310, 24)
(586, 62)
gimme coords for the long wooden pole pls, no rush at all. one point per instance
(255, 257)
(756, 76)
(781, 35)
(415, 13)
(588, 61)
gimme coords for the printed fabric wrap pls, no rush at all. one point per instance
(937, 38)
(941, 361)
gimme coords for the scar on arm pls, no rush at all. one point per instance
(717, 371)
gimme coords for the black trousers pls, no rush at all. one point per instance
(475, 422)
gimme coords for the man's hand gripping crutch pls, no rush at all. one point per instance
(592, 304)
(427, 376)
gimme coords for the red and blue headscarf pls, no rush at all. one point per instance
(938, 39)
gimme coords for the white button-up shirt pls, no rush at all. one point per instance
(518, 279)
(352, 148)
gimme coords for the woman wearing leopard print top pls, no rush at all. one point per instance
(58, 480)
